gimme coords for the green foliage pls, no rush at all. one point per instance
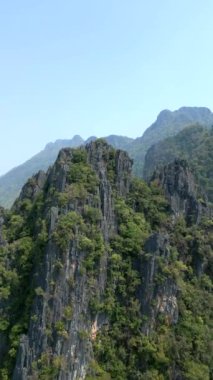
(15, 226)
(196, 371)
(68, 313)
(79, 156)
(116, 348)
(73, 192)
(39, 292)
(194, 144)
(96, 372)
(25, 242)
(12, 182)
(122, 349)
(4, 324)
(61, 330)
(168, 124)
(48, 366)
(133, 227)
(150, 201)
(92, 214)
(83, 335)
(152, 374)
(82, 173)
(94, 248)
(66, 228)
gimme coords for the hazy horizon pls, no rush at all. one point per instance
(86, 138)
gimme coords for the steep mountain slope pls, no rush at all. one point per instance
(12, 182)
(167, 124)
(101, 277)
(119, 142)
(195, 144)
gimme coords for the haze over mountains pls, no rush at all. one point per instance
(168, 124)
(195, 145)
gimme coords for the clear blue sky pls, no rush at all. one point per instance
(98, 67)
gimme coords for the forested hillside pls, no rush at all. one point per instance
(105, 277)
(167, 124)
(195, 144)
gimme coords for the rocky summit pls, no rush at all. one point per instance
(104, 276)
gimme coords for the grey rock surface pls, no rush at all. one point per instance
(65, 284)
(157, 298)
(182, 192)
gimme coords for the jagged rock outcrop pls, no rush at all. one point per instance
(32, 188)
(12, 182)
(182, 192)
(195, 145)
(63, 293)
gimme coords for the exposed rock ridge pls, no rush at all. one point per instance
(182, 192)
(61, 280)
(32, 188)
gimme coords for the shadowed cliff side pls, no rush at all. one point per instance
(182, 192)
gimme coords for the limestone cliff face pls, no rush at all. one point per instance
(32, 187)
(63, 290)
(184, 198)
(157, 298)
(182, 192)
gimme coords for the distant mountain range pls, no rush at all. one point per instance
(168, 124)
